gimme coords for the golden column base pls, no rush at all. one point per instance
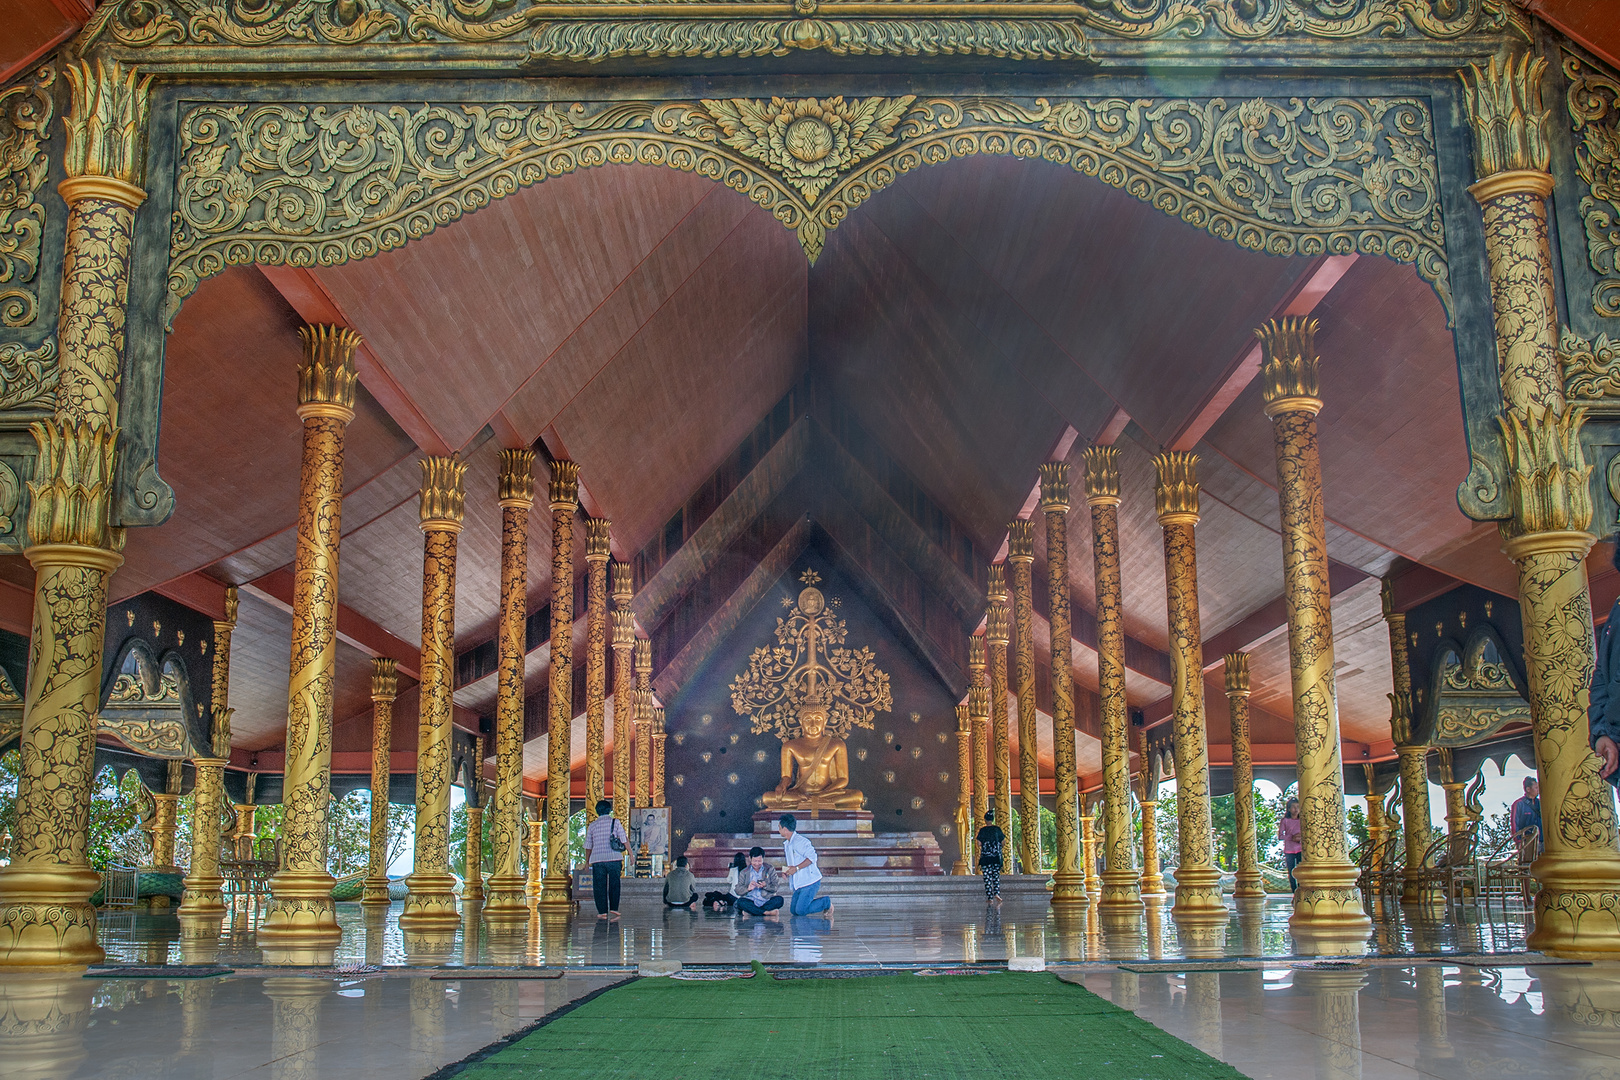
(300, 924)
(1328, 918)
(1578, 907)
(42, 1024)
(431, 903)
(47, 920)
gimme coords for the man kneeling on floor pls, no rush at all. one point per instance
(799, 863)
(680, 887)
(757, 886)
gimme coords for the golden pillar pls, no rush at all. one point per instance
(597, 542)
(300, 915)
(384, 688)
(165, 820)
(624, 690)
(45, 916)
(472, 881)
(203, 896)
(1198, 883)
(507, 902)
(295, 1025)
(979, 711)
(1376, 827)
(559, 736)
(1327, 905)
(1121, 885)
(658, 737)
(644, 706)
(535, 846)
(1148, 800)
(1457, 816)
(1088, 846)
(430, 905)
(1249, 882)
(1413, 757)
(1069, 887)
(1548, 533)
(1021, 555)
(997, 635)
(964, 790)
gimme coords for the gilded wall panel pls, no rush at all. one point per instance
(1593, 100)
(318, 185)
(389, 32)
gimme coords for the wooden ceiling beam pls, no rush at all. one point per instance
(1308, 292)
(353, 628)
(198, 591)
(309, 298)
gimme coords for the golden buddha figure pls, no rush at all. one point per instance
(811, 691)
(815, 768)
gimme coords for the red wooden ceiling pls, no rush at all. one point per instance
(643, 321)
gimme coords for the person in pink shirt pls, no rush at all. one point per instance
(1288, 833)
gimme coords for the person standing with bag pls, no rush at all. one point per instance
(605, 841)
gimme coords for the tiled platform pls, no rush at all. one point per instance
(1452, 1015)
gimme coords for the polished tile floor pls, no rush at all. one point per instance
(1426, 1002)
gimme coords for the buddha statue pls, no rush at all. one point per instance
(815, 767)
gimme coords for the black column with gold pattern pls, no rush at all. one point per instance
(1328, 916)
(624, 690)
(1021, 556)
(1198, 883)
(1069, 886)
(430, 905)
(1121, 883)
(554, 895)
(45, 916)
(300, 925)
(1550, 502)
(507, 901)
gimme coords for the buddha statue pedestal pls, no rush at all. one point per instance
(845, 844)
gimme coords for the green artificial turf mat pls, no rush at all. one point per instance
(994, 1026)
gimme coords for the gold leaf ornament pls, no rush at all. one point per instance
(808, 141)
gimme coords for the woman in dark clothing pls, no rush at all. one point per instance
(991, 840)
(718, 900)
(1604, 714)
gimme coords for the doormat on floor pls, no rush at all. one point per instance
(1002, 1026)
(177, 971)
(1522, 960)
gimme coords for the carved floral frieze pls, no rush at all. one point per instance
(26, 110)
(317, 185)
(1593, 100)
(598, 30)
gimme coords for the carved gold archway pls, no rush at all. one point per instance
(317, 185)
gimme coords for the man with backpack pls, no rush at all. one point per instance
(991, 839)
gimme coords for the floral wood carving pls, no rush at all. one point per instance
(1594, 108)
(318, 185)
(602, 29)
(28, 377)
(1591, 368)
(25, 124)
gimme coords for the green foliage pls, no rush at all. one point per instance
(115, 836)
(1169, 831)
(1048, 839)
(348, 825)
(10, 767)
(1357, 818)
(1223, 818)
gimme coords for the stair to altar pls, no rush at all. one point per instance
(845, 845)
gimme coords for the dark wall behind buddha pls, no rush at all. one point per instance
(905, 765)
